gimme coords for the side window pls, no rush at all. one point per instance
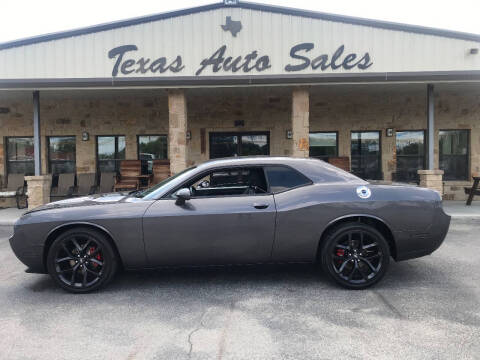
(229, 182)
(281, 178)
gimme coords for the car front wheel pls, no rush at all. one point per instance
(81, 260)
(355, 255)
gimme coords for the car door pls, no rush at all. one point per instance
(214, 227)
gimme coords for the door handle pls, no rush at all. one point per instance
(260, 206)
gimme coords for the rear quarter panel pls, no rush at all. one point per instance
(304, 213)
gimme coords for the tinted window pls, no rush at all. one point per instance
(454, 154)
(61, 154)
(151, 147)
(410, 154)
(228, 182)
(366, 154)
(20, 155)
(282, 178)
(323, 145)
(110, 152)
(238, 144)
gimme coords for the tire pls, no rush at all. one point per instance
(82, 260)
(355, 255)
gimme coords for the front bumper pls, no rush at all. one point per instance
(29, 254)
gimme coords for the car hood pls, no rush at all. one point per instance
(98, 199)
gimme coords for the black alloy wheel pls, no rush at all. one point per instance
(81, 260)
(355, 255)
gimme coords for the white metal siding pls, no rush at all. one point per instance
(199, 35)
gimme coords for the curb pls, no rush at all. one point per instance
(465, 216)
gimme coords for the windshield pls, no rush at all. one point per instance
(141, 194)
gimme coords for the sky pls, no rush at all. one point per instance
(26, 18)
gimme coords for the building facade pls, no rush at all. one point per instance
(244, 79)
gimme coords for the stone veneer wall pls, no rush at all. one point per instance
(98, 113)
(345, 108)
(364, 108)
(216, 110)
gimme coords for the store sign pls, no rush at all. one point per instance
(302, 57)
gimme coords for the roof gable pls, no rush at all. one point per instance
(244, 42)
(245, 5)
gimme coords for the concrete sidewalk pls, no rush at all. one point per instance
(456, 209)
(8, 216)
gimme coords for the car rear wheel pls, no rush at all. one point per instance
(81, 260)
(355, 255)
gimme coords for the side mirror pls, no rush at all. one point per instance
(182, 196)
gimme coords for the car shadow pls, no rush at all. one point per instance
(292, 276)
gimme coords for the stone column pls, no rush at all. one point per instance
(300, 122)
(432, 179)
(177, 130)
(38, 190)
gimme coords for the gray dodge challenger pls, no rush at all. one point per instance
(235, 211)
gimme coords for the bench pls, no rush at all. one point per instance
(474, 190)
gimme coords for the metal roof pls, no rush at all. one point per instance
(245, 5)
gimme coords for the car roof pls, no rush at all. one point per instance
(253, 160)
(317, 170)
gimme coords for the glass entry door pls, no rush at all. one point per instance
(366, 154)
(239, 144)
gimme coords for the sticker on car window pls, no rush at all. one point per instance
(363, 192)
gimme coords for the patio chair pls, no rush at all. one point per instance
(85, 184)
(161, 170)
(130, 173)
(15, 188)
(107, 180)
(65, 187)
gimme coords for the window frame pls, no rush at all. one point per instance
(425, 148)
(468, 155)
(169, 195)
(239, 144)
(336, 144)
(116, 151)
(380, 169)
(57, 161)
(7, 161)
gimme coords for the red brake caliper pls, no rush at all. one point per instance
(340, 252)
(98, 256)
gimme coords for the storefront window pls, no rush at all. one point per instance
(20, 155)
(454, 154)
(223, 145)
(238, 144)
(61, 154)
(323, 145)
(366, 154)
(110, 151)
(151, 147)
(410, 155)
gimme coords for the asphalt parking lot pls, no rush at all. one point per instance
(427, 308)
